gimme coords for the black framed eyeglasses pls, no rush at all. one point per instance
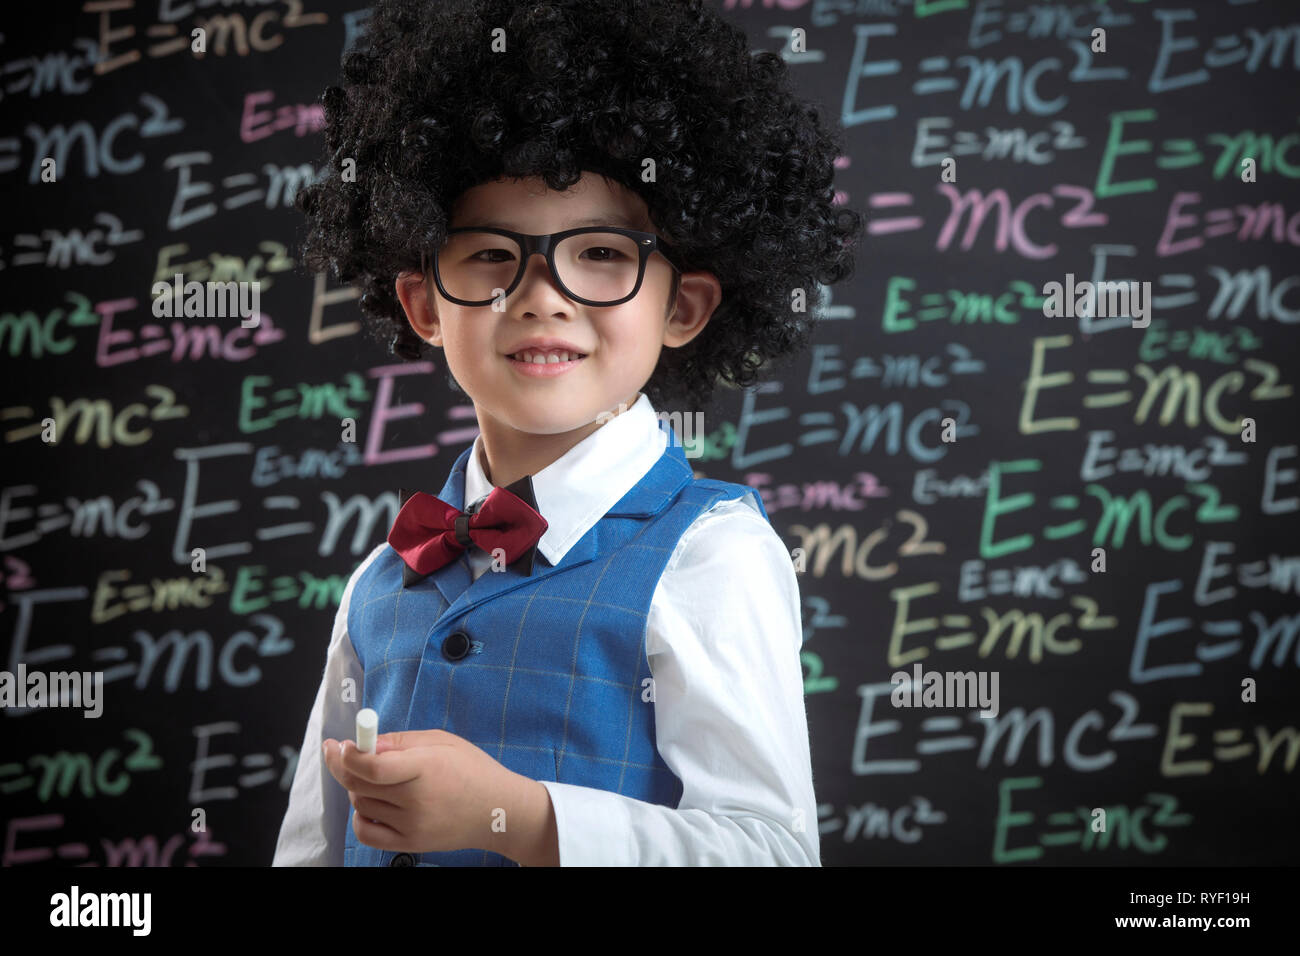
(594, 265)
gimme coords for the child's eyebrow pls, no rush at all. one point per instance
(610, 220)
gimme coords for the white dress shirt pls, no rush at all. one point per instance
(722, 639)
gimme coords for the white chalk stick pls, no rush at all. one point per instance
(367, 730)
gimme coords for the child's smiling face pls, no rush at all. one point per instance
(620, 343)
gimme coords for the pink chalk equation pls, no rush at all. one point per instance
(255, 124)
(23, 846)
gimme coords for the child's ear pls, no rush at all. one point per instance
(413, 292)
(699, 294)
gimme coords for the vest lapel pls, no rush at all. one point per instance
(649, 496)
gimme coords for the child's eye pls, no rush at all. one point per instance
(604, 253)
(505, 255)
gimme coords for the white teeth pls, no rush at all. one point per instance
(543, 358)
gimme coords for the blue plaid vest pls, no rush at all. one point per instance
(548, 673)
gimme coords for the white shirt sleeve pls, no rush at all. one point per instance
(315, 823)
(723, 639)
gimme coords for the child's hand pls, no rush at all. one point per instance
(424, 791)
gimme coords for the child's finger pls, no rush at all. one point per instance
(385, 768)
(407, 739)
(376, 809)
(379, 835)
(348, 777)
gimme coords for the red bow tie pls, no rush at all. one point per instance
(429, 533)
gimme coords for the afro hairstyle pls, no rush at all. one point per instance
(743, 168)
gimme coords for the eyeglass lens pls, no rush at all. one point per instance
(600, 266)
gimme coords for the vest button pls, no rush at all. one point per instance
(402, 859)
(455, 645)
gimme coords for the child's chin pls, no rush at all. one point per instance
(559, 418)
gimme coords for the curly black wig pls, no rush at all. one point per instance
(743, 168)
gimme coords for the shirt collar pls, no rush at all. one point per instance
(575, 490)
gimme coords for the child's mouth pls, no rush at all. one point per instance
(545, 365)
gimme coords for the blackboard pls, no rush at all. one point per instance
(943, 463)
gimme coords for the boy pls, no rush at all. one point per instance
(624, 688)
